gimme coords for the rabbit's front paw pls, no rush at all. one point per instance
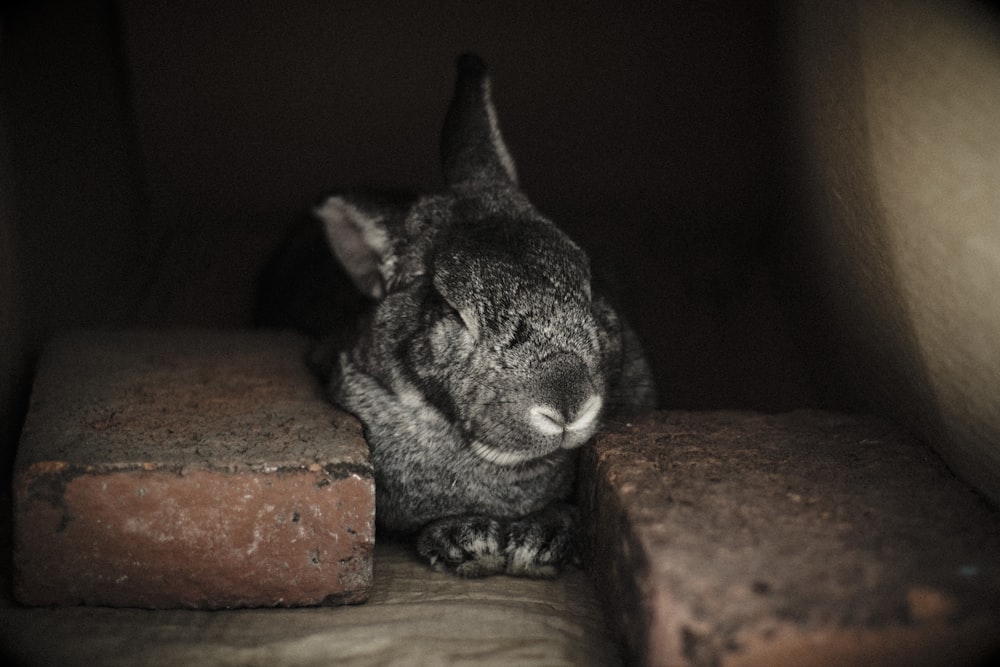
(540, 544)
(468, 545)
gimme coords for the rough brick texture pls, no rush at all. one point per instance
(189, 469)
(801, 539)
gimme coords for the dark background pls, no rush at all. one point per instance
(152, 154)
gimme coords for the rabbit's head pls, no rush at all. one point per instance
(484, 310)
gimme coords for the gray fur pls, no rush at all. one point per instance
(486, 361)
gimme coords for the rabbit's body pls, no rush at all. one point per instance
(486, 361)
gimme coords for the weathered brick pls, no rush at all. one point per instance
(810, 538)
(189, 469)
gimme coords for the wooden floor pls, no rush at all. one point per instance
(415, 617)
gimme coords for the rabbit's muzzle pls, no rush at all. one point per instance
(573, 429)
(560, 410)
(568, 404)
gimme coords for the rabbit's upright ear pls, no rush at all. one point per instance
(472, 149)
(359, 232)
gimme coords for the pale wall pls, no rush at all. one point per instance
(898, 109)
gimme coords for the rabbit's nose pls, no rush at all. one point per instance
(550, 421)
(567, 402)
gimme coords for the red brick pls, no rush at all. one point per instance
(189, 469)
(801, 539)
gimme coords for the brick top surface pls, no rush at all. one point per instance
(737, 527)
(241, 400)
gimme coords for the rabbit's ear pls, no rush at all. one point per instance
(358, 233)
(471, 146)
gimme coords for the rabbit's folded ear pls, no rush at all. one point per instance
(472, 148)
(357, 231)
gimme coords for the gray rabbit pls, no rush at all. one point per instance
(486, 359)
